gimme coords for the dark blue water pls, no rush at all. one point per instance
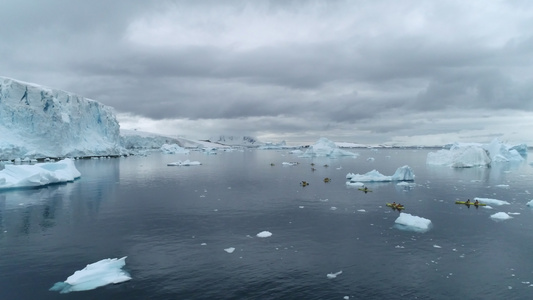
(173, 224)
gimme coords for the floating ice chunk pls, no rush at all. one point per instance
(325, 147)
(184, 163)
(361, 210)
(437, 246)
(94, 275)
(503, 186)
(230, 249)
(173, 149)
(404, 173)
(287, 163)
(530, 203)
(355, 184)
(16, 176)
(513, 213)
(413, 223)
(500, 216)
(264, 234)
(492, 201)
(334, 275)
(370, 159)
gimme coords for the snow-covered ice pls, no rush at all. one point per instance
(327, 148)
(404, 173)
(185, 163)
(413, 223)
(501, 216)
(100, 273)
(173, 149)
(19, 176)
(492, 201)
(264, 234)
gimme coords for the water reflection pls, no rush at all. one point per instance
(35, 210)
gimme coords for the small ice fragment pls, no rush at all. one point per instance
(301, 206)
(264, 234)
(436, 246)
(346, 297)
(361, 210)
(333, 208)
(333, 275)
(229, 250)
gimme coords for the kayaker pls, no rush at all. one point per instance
(467, 201)
(393, 204)
(476, 203)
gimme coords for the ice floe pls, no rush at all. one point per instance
(264, 234)
(184, 163)
(404, 173)
(230, 249)
(18, 176)
(413, 223)
(501, 216)
(327, 148)
(100, 273)
(492, 201)
(530, 203)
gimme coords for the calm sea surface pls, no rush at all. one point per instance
(173, 224)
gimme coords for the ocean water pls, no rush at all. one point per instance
(173, 224)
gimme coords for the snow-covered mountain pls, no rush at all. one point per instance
(244, 141)
(37, 121)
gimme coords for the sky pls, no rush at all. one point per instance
(371, 72)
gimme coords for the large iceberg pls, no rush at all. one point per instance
(404, 173)
(100, 273)
(462, 155)
(327, 148)
(38, 122)
(18, 176)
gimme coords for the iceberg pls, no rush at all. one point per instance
(413, 223)
(20, 176)
(39, 122)
(463, 155)
(327, 148)
(404, 173)
(100, 273)
(185, 163)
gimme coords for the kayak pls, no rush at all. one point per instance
(367, 190)
(470, 203)
(395, 206)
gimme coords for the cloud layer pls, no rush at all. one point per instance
(423, 72)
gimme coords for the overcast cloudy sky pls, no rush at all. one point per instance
(395, 72)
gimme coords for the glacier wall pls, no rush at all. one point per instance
(37, 121)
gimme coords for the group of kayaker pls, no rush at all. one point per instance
(474, 203)
(396, 205)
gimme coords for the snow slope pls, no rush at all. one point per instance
(36, 122)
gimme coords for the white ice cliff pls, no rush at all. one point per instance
(36, 122)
